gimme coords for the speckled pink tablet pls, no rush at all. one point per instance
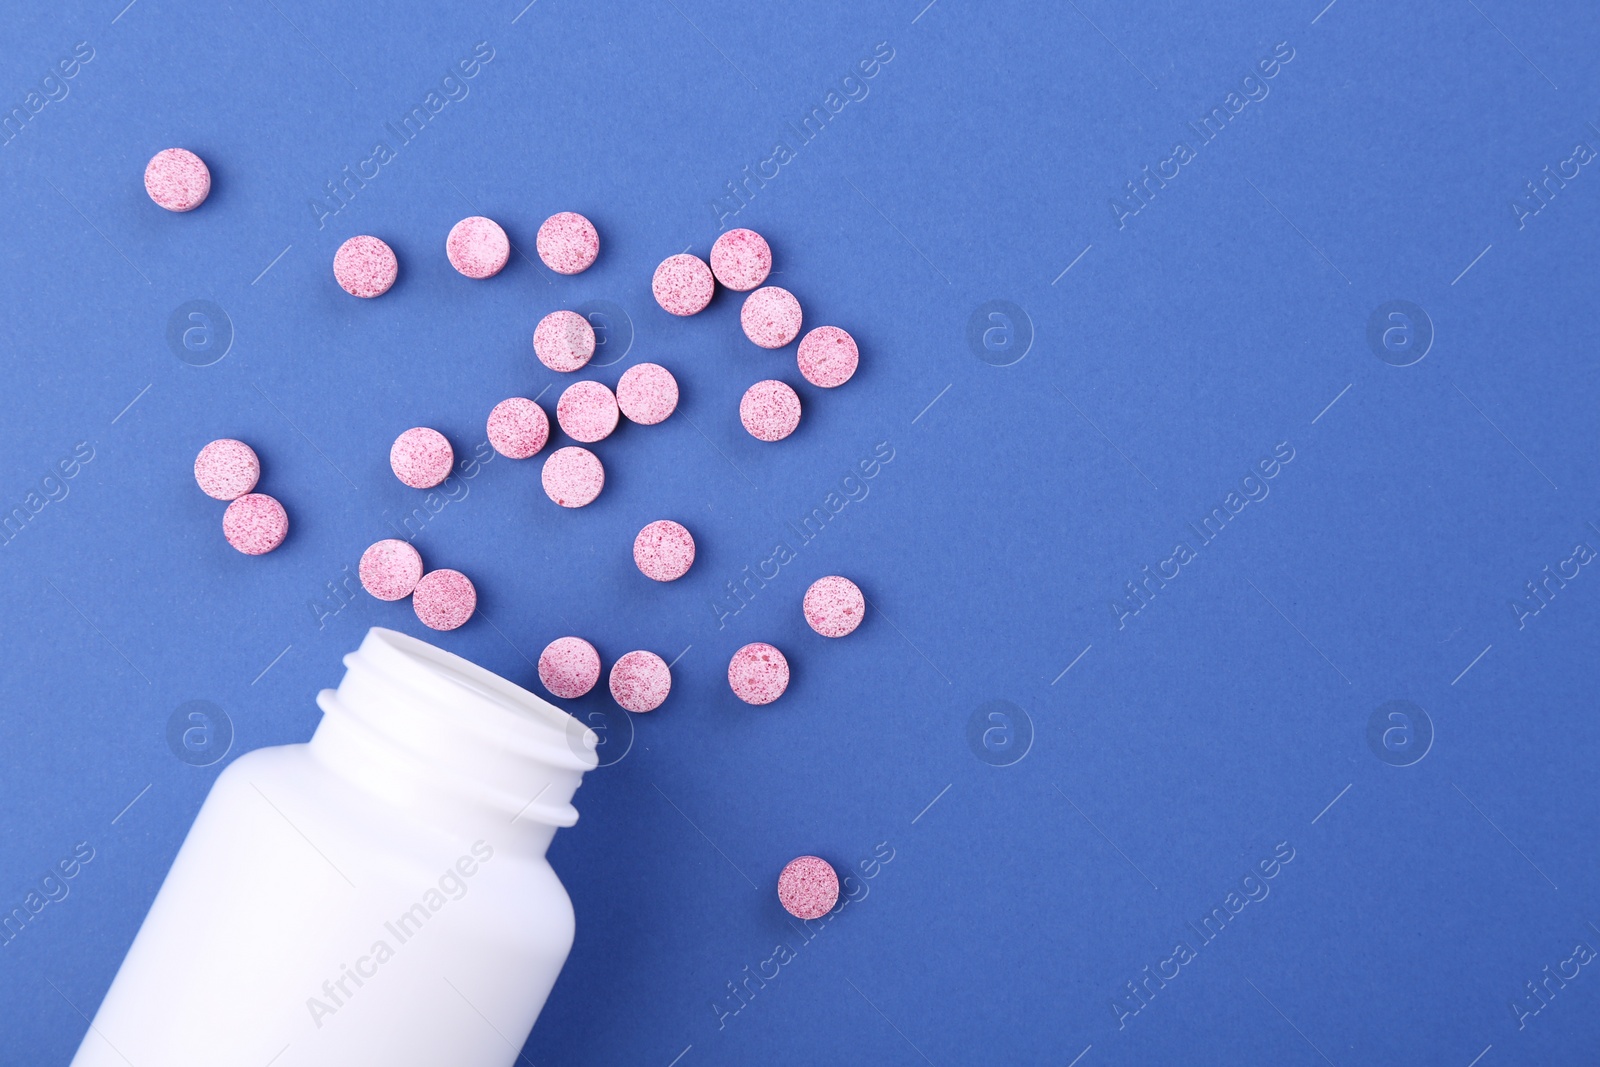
(569, 667)
(573, 476)
(664, 550)
(568, 243)
(808, 888)
(834, 606)
(683, 284)
(518, 428)
(587, 412)
(770, 317)
(255, 524)
(640, 681)
(177, 179)
(828, 357)
(478, 247)
(365, 267)
(227, 469)
(741, 259)
(647, 393)
(421, 457)
(444, 599)
(770, 410)
(758, 673)
(563, 341)
(390, 569)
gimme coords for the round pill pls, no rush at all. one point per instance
(569, 667)
(227, 469)
(478, 247)
(568, 243)
(573, 476)
(808, 888)
(683, 284)
(421, 457)
(255, 524)
(770, 317)
(444, 599)
(518, 428)
(587, 412)
(390, 569)
(770, 410)
(640, 681)
(758, 673)
(664, 550)
(834, 606)
(563, 341)
(741, 259)
(828, 357)
(365, 267)
(177, 179)
(647, 393)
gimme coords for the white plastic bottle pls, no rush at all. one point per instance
(379, 895)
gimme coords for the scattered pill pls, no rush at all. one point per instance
(227, 469)
(564, 341)
(573, 476)
(587, 412)
(568, 243)
(828, 357)
(640, 681)
(834, 606)
(770, 317)
(664, 550)
(255, 524)
(770, 410)
(390, 569)
(518, 428)
(569, 667)
(177, 179)
(741, 259)
(444, 599)
(647, 393)
(421, 457)
(808, 888)
(478, 247)
(758, 673)
(365, 267)
(683, 284)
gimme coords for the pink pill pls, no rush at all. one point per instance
(444, 599)
(478, 247)
(568, 243)
(770, 317)
(664, 550)
(808, 888)
(828, 357)
(587, 412)
(518, 428)
(647, 393)
(741, 259)
(758, 673)
(390, 569)
(569, 667)
(640, 681)
(834, 606)
(421, 457)
(365, 267)
(770, 410)
(227, 469)
(563, 341)
(573, 476)
(683, 284)
(177, 179)
(255, 524)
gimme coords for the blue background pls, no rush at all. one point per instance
(1180, 348)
